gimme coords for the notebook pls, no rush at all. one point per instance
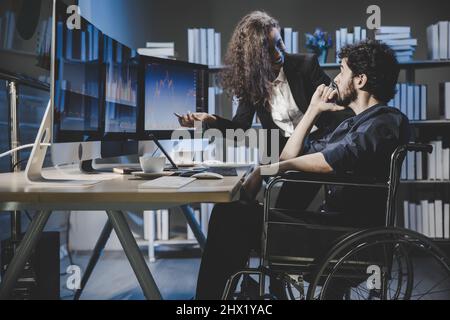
(167, 183)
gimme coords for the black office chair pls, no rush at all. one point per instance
(363, 263)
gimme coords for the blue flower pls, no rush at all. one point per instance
(318, 41)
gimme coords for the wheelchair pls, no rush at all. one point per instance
(381, 263)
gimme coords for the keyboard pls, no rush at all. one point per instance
(167, 183)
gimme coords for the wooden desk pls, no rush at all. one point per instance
(113, 194)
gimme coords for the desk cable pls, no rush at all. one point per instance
(27, 146)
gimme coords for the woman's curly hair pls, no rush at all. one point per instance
(249, 74)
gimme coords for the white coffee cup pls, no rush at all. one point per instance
(152, 165)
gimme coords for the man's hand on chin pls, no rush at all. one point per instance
(322, 100)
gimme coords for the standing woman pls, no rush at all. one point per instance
(277, 86)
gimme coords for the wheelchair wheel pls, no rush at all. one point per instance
(382, 264)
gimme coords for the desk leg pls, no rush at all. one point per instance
(134, 255)
(195, 226)
(100, 245)
(26, 247)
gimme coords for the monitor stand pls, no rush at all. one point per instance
(86, 167)
(33, 171)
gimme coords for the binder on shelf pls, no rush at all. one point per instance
(156, 52)
(338, 44)
(191, 42)
(412, 217)
(345, 37)
(425, 218)
(446, 164)
(158, 225)
(287, 36)
(404, 98)
(443, 39)
(432, 163)
(439, 160)
(447, 221)
(392, 36)
(411, 174)
(439, 219)
(211, 43)
(433, 42)
(438, 37)
(160, 45)
(197, 46)
(404, 174)
(393, 29)
(399, 39)
(165, 225)
(218, 49)
(417, 105)
(423, 102)
(432, 221)
(444, 99)
(295, 45)
(419, 166)
(363, 34)
(204, 46)
(410, 102)
(419, 220)
(357, 34)
(406, 219)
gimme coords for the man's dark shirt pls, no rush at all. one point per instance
(362, 145)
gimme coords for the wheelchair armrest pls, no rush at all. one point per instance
(331, 179)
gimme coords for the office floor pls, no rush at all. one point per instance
(176, 275)
(113, 278)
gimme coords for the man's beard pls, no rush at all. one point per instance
(348, 97)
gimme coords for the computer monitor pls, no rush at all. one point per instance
(171, 87)
(77, 90)
(121, 78)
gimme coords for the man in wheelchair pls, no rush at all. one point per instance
(362, 145)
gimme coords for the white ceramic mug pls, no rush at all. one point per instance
(152, 165)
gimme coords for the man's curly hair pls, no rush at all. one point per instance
(378, 62)
(249, 74)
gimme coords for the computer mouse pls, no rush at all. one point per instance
(207, 176)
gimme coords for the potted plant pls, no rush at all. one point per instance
(319, 43)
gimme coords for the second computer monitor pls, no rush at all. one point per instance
(172, 87)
